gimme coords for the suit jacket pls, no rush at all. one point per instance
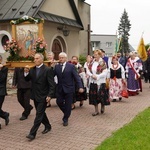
(19, 80)
(43, 85)
(3, 80)
(67, 78)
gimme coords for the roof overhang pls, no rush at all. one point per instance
(58, 19)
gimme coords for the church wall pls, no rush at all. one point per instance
(58, 7)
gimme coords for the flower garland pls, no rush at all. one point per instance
(27, 18)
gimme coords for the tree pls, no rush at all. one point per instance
(147, 46)
(123, 30)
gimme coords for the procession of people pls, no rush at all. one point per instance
(68, 82)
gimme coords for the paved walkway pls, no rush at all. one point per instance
(84, 131)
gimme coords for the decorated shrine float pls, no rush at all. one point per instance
(27, 39)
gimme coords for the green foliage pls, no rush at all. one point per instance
(123, 29)
(20, 58)
(27, 18)
(147, 46)
(134, 136)
(82, 59)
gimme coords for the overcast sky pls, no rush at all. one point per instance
(106, 14)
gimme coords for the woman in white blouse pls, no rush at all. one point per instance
(133, 68)
(97, 72)
(116, 76)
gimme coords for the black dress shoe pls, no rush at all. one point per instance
(7, 119)
(30, 137)
(65, 123)
(95, 114)
(23, 118)
(46, 130)
(120, 98)
(114, 100)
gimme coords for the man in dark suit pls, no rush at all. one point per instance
(23, 91)
(3, 92)
(67, 75)
(43, 86)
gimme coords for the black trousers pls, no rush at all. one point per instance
(40, 117)
(3, 114)
(147, 76)
(23, 96)
(64, 101)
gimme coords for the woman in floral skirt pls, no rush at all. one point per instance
(116, 76)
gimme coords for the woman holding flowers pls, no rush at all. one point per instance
(97, 72)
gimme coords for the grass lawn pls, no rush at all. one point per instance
(133, 136)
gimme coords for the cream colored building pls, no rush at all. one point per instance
(65, 25)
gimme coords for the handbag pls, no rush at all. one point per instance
(124, 92)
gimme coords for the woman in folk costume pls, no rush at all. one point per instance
(133, 66)
(116, 76)
(89, 59)
(97, 72)
(77, 96)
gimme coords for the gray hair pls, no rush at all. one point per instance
(41, 55)
(50, 53)
(63, 54)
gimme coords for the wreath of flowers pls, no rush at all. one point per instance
(27, 18)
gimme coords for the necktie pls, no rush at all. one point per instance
(61, 67)
(37, 71)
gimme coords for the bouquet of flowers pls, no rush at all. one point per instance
(13, 48)
(40, 46)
